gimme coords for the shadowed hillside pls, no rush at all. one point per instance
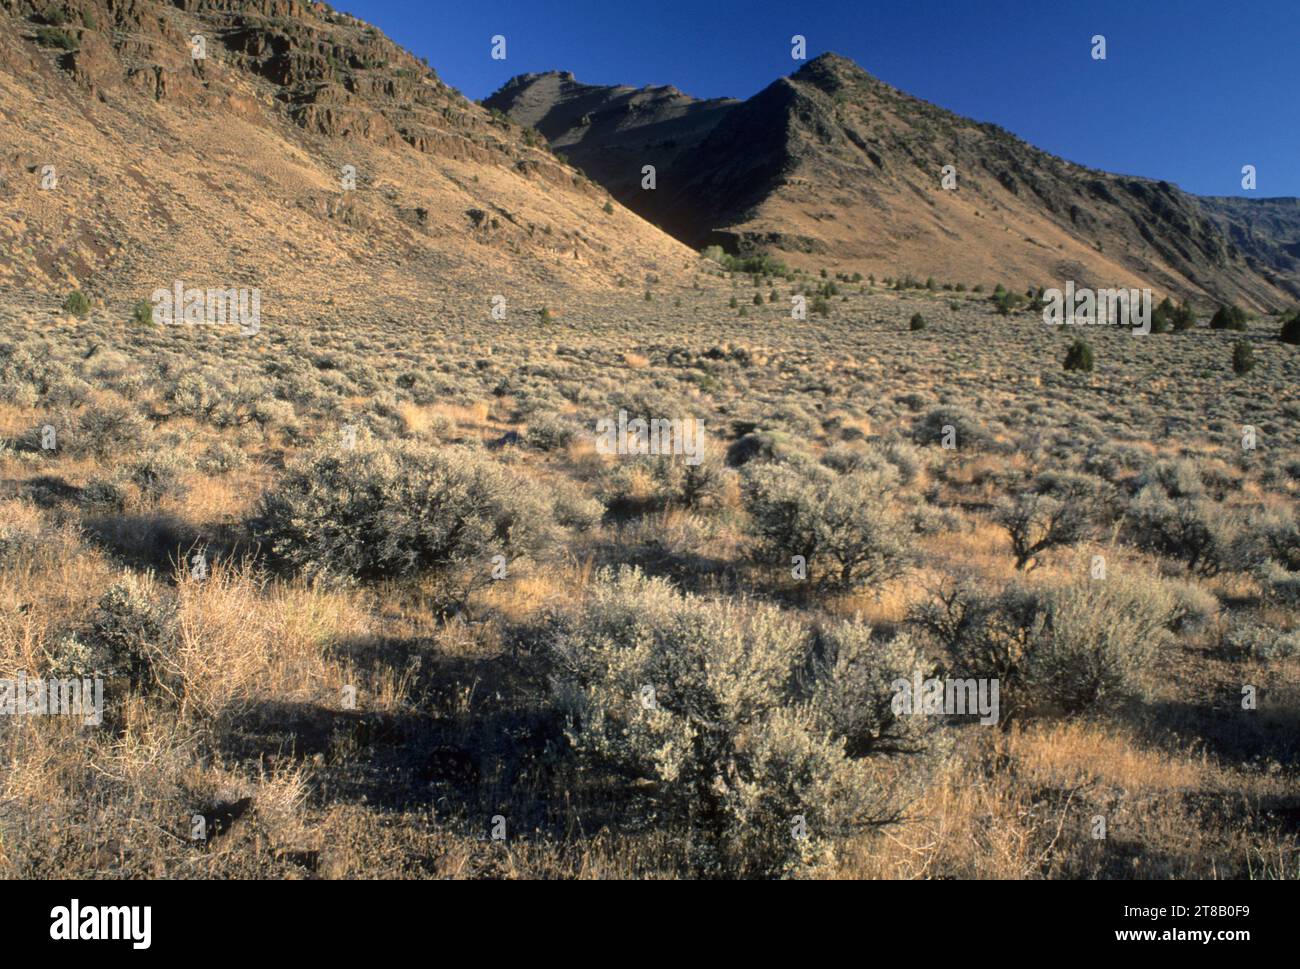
(831, 166)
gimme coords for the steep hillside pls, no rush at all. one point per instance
(1266, 231)
(230, 169)
(833, 167)
(611, 133)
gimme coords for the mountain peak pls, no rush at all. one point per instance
(830, 166)
(831, 72)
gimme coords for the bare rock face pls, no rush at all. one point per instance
(1266, 231)
(280, 141)
(831, 167)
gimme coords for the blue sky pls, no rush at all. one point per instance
(1191, 90)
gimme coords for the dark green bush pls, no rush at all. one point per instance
(55, 37)
(1229, 318)
(1079, 357)
(77, 303)
(1162, 316)
(917, 322)
(1243, 358)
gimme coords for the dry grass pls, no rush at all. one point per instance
(451, 723)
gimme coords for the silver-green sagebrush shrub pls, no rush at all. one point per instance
(403, 510)
(846, 527)
(1065, 649)
(1057, 508)
(133, 625)
(1098, 639)
(759, 744)
(1203, 534)
(643, 483)
(984, 635)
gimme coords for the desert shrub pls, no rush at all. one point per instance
(906, 459)
(1279, 584)
(133, 624)
(760, 446)
(577, 511)
(1290, 332)
(850, 677)
(54, 37)
(844, 458)
(1281, 646)
(984, 635)
(1246, 639)
(720, 721)
(105, 495)
(77, 303)
(67, 392)
(35, 439)
(1178, 478)
(142, 313)
(1228, 318)
(192, 395)
(20, 394)
(159, 474)
(699, 485)
(1196, 531)
(917, 322)
(1194, 607)
(22, 531)
(641, 483)
(1079, 357)
(1057, 509)
(844, 526)
(1112, 460)
(549, 432)
(1097, 638)
(109, 431)
(269, 412)
(1280, 532)
(1063, 649)
(1243, 358)
(221, 457)
(1184, 317)
(400, 511)
(969, 430)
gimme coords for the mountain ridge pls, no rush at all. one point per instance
(831, 166)
(232, 167)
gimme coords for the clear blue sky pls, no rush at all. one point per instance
(1191, 90)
